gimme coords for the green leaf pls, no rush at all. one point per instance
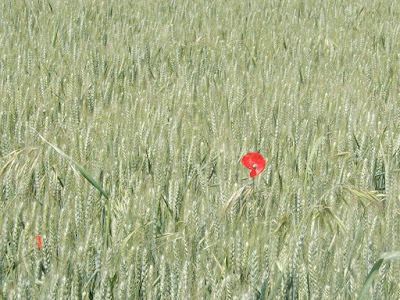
(53, 43)
(375, 269)
(84, 173)
(313, 152)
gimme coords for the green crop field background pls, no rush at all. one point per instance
(123, 124)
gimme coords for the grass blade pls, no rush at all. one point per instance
(84, 173)
(375, 269)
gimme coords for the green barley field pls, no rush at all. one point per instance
(123, 124)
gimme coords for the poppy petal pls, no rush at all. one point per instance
(260, 167)
(247, 161)
(39, 239)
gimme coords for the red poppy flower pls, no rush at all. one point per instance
(254, 162)
(39, 239)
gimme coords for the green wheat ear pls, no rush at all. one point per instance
(375, 269)
(84, 173)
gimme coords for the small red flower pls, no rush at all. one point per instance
(254, 162)
(39, 238)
